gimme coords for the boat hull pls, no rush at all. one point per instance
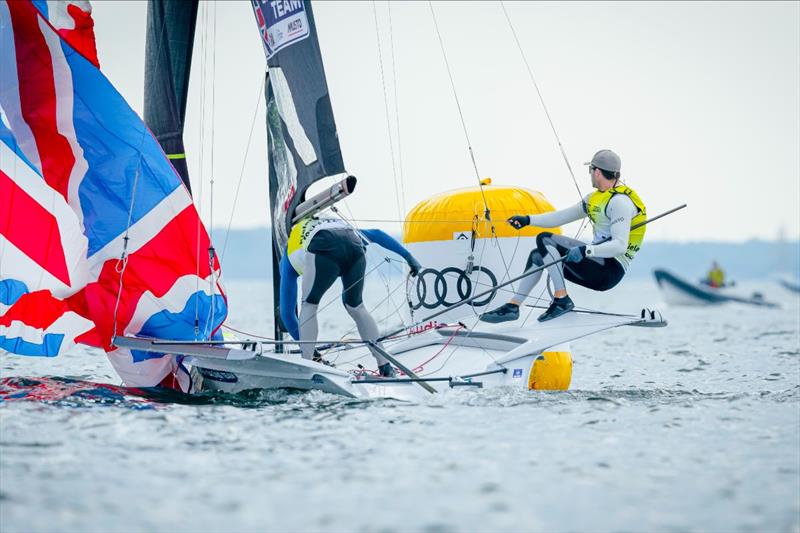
(535, 356)
(678, 291)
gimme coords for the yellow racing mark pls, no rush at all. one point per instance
(551, 371)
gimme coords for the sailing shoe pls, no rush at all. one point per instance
(504, 313)
(386, 371)
(560, 306)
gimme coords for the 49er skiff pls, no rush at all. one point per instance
(537, 357)
(464, 254)
(107, 249)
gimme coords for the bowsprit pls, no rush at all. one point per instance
(435, 286)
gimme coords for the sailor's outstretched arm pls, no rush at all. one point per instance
(620, 211)
(554, 219)
(289, 297)
(384, 240)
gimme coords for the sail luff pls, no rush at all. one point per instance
(168, 59)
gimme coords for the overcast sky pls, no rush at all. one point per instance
(701, 101)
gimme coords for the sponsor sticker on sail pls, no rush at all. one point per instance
(281, 23)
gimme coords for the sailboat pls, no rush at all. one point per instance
(468, 259)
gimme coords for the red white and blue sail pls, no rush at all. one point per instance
(83, 183)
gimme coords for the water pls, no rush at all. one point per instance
(692, 427)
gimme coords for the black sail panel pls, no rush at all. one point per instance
(301, 132)
(303, 144)
(168, 59)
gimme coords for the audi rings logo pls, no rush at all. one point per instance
(451, 285)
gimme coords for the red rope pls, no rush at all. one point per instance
(437, 354)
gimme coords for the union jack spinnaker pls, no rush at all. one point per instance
(98, 235)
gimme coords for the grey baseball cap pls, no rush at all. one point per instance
(606, 160)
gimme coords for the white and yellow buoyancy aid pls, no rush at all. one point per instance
(595, 208)
(302, 233)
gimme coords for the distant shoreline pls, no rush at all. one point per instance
(247, 256)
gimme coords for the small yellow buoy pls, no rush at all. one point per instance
(551, 371)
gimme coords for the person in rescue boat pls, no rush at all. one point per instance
(321, 250)
(613, 208)
(715, 277)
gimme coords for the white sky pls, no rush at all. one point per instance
(701, 101)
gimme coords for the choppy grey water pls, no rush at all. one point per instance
(692, 427)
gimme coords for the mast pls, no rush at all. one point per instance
(301, 132)
(168, 59)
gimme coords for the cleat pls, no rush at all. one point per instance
(559, 306)
(386, 371)
(504, 313)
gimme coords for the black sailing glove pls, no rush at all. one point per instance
(519, 221)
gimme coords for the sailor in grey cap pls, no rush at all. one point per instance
(612, 208)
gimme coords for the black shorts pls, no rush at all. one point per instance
(596, 273)
(338, 253)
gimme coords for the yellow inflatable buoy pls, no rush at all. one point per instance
(551, 371)
(462, 210)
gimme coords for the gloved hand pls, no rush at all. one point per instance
(414, 265)
(519, 221)
(576, 255)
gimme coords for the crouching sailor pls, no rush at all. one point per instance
(322, 250)
(613, 208)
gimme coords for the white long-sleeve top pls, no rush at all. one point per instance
(620, 211)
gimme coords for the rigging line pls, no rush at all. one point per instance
(460, 114)
(244, 163)
(211, 251)
(344, 289)
(500, 250)
(541, 99)
(122, 263)
(487, 213)
(397, 112)
(409, 221)
(352, 330)
(123, 260)
(199, 201)
(386, 110)
(389, 292)
(386, 299)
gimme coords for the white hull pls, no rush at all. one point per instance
(452, 354)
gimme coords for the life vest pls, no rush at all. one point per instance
(595, 207)
(716, 277)
(302, 233)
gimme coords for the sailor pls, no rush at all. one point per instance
(715, 277)
(322, 250)
(613, 208)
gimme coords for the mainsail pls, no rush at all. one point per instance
(168, 60)
(303, 144)
(301, 131)
(97, 236)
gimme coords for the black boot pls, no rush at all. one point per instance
(560, 306)
(504, 313)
